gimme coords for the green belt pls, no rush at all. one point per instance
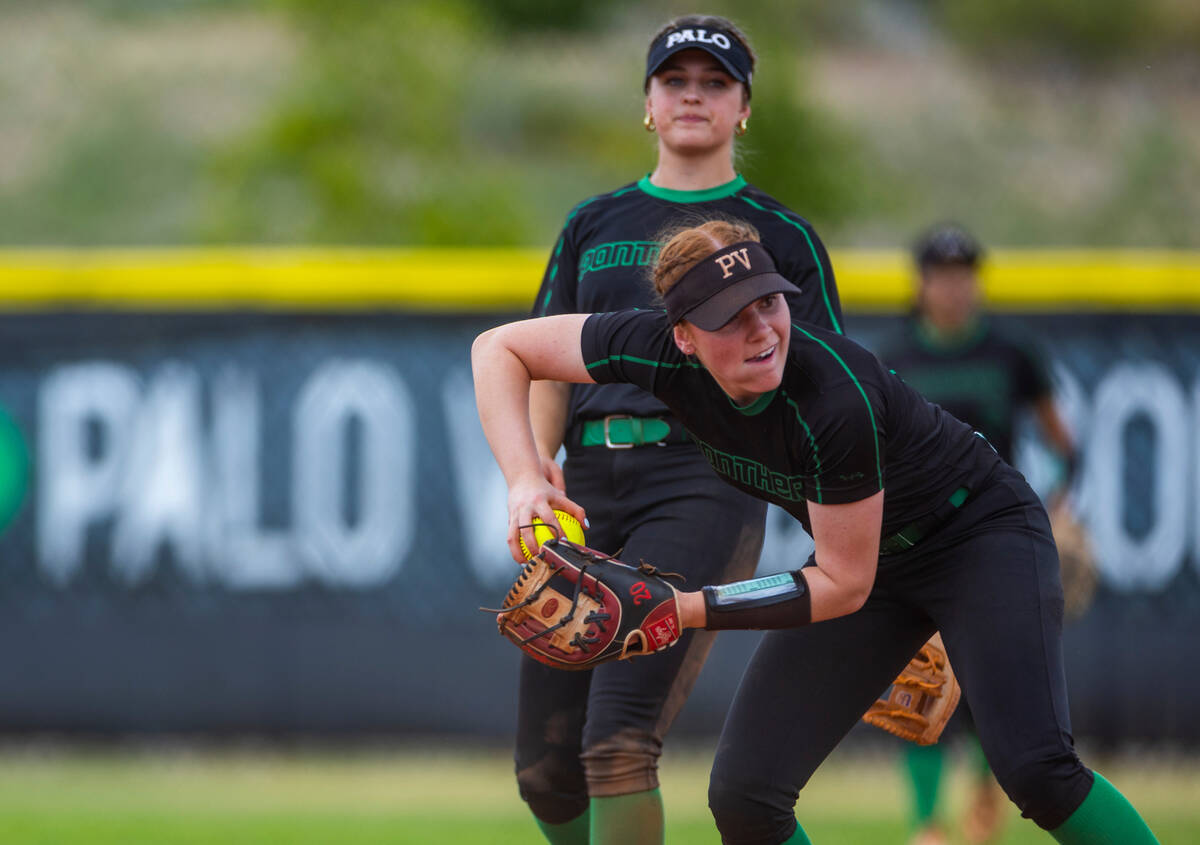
(624, 432)
(919, 529)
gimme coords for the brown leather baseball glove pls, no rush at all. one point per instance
(921, 700)
(1076, 561)
(574, 608)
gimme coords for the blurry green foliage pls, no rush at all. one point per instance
(793, 150)
(483, 122)
(367, 145)
(412, 123)
(540, 15)
(1091, 30)
(137, 9)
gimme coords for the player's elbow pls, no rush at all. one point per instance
(480, 344)
(849, 598)
(856, 597)
(852, 586)
(484, 348)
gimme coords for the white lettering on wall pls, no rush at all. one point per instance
(246, 554)
(143, 460)
(1195, 475)
(79, 475)
(168, 467)
(369, 551)
(1148, 562)
(161, 496)
(482, 493)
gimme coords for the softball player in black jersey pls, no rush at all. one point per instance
(918, 526)
(588, 744)
(951, 353)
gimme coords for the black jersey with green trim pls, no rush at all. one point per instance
(601, 262)
(983, 377)
(839, 428)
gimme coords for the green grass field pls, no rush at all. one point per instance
(451, 795)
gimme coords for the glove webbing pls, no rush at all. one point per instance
(597, 618)
(594, 617)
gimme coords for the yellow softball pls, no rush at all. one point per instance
(572, 531)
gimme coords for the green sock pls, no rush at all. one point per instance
(1104, 818)
(797, 838)
(574, 832)
(635, 819)
(924, 763)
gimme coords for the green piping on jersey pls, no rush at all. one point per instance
(816, 260)
(812, 440)
(863, 393)
(608, 359)
(670, 195)
(558, 252)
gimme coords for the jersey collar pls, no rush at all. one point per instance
(670, 195)
(757, 406)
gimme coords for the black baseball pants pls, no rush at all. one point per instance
(988, 580)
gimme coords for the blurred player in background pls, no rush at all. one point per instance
(953, 354)
(588, 743)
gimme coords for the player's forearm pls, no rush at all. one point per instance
(773, 601)
(502, 385)
(548, 413)
(786, 600)
(692, 613)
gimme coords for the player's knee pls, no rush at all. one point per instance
(1048, 788)
(749, 814)
(622, 764)
(554, 788)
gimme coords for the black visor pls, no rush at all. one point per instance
(716, 42)
(713, 292)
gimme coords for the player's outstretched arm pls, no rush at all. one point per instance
(505, 361)
(847, 541)
(613, 610)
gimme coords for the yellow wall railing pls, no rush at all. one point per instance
(485, 279)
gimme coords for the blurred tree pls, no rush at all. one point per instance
(483, 121)
(793, 150)
(368, 146)
(537, 15)
(1095, 31)
(411, 123)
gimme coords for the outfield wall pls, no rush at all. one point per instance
(247, 491)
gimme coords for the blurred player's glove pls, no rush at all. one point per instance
(1076, 563)
(574, 608)
(918, 704)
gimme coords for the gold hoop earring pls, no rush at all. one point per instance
(741, 128)
(648, 122)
